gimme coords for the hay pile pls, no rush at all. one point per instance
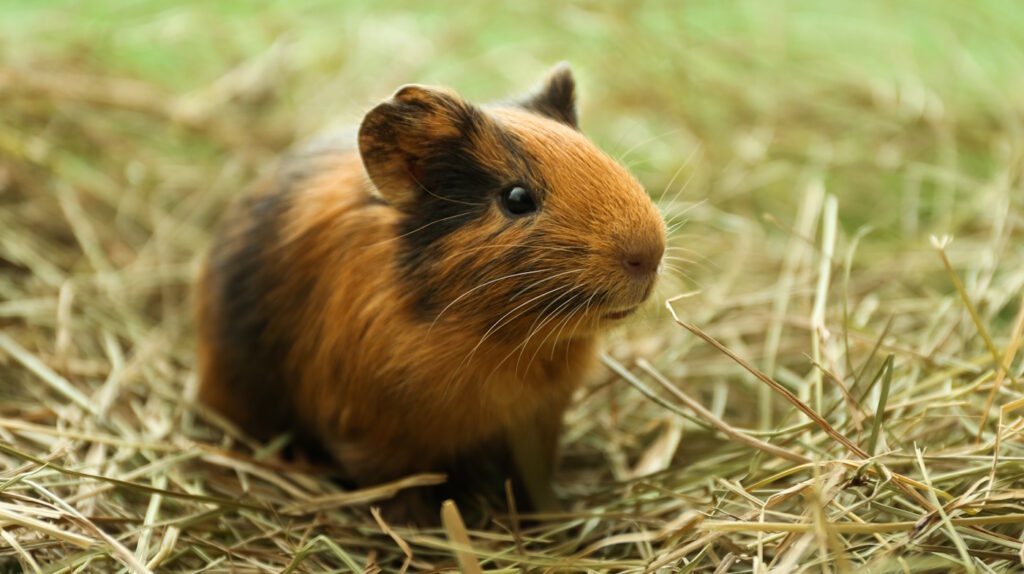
(842, 391)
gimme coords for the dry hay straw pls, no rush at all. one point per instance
(827, 398)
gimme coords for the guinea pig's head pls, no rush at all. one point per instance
(511, 221)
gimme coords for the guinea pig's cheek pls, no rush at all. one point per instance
(475, 254)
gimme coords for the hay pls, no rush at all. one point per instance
(838, 391)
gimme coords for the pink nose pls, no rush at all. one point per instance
(644, 261)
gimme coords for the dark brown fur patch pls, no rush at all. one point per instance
(555, 97)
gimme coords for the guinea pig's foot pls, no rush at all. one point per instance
(416, 507)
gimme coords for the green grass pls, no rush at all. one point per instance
(127, 127)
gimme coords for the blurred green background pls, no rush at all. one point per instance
(765, 90)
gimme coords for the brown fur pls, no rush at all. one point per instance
(322, 312)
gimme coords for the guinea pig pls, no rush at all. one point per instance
(436, 289)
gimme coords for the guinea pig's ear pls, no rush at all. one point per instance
(555, 96)
(398, 135)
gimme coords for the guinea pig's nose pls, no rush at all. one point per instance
(643, 261)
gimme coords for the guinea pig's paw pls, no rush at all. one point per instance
(415, 507)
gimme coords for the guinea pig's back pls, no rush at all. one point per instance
(276, 245)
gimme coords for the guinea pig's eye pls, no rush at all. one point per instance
(517, 201)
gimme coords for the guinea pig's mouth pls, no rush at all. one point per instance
(620, 314)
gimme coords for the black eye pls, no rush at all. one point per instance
(517, 201)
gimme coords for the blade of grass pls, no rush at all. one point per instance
(807, 217)
(398, 539)
(789, 396)
(965, 556)
(25, 556)
(940, 245)
(852, 527)
(48, 375)
(876, 425)
(45, 528)
(828, 242)
(847, 268)
(455, 528)
(708, 416)
(793, 399)
(1011, 351)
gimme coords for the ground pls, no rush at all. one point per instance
(845, 183)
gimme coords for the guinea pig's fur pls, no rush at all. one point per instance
(384, 303)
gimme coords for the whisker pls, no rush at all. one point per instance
(673, 228)
(418, 229)
(498, 324)
(548, 278)
(562, 328)
(680, 274)
(501, 320)
(672, 248)
(685, 163)
(683, 259)
(572, 334)
(532, 332)
(554, 342)
(534, 328)
(622, 158)
(448, 199)
(688, 209)
(482, 285)
(540, 347)
(672, 180)
(523, 346)
(543, 342)
(513, 245)
(698, 256)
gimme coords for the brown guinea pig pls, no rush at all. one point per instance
(435, 291)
